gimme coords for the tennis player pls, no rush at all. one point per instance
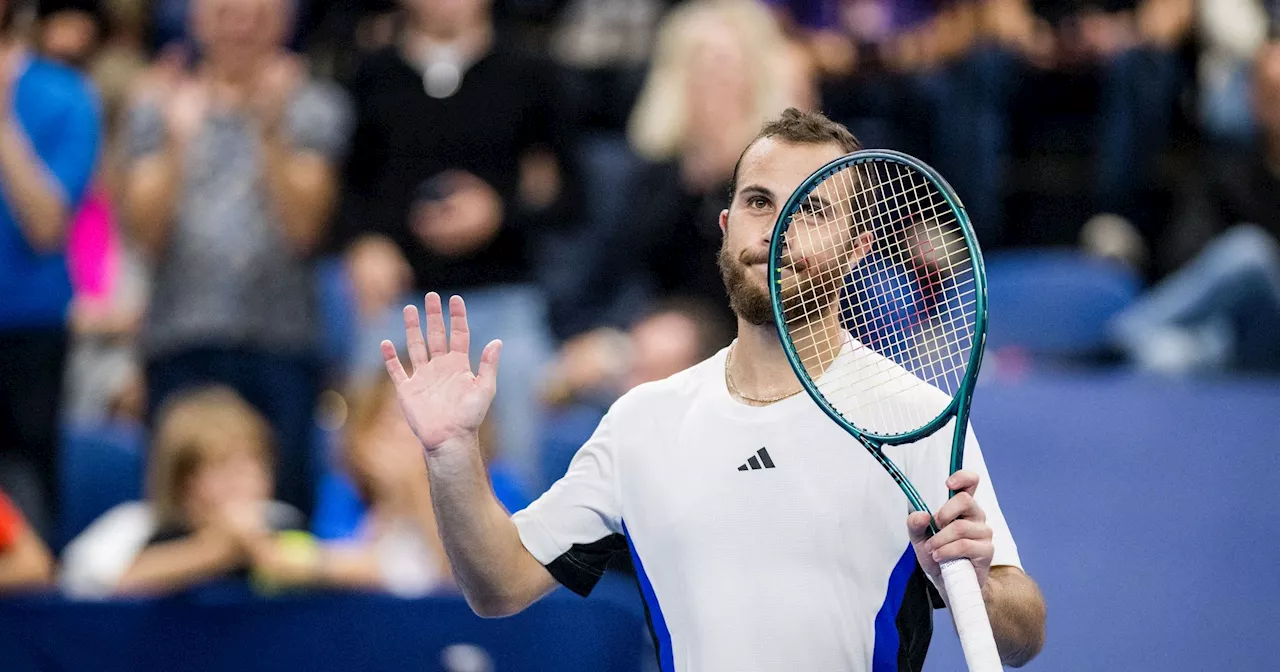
(763, 536)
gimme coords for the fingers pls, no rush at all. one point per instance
(963, 481)
(413, 336)
(963, 505)
(918, 526)
(977, 551)
(459, 332)
(437, 343)
(489, 363)
(392, 361)
(960, 530)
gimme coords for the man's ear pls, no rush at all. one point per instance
(724, 219)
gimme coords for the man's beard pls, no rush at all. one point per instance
(748, 300)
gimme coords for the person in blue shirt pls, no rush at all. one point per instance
(49, 136)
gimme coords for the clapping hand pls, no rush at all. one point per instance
(464, 219)
(274, 88)
(443, 401)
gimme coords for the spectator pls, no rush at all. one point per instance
(454, 178)
(103, 373)
(596, 368)
(24, 559)
(49, 129)
(377, 514)
(967, 60)
(1231, 31)
(604, 45)
(718, 70)
(208, 507)
(1222, 308)
(230, 184)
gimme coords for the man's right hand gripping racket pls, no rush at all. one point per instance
(879, 296)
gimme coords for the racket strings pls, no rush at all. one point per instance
(910, 300)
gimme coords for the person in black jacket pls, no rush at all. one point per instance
(455, 174)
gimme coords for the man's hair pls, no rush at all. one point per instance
(799, 128)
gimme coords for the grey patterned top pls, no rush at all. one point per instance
(226, 276)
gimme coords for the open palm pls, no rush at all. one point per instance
(443, 400)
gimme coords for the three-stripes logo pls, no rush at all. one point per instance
(758, 461)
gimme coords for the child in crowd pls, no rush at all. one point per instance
(209, 512)
(376, 518)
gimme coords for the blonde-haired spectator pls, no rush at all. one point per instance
(720, 68)
(208, 504)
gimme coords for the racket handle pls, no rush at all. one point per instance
(969, 613)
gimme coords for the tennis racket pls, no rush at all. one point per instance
(879, 296)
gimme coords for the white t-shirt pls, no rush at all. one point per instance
(764, 538)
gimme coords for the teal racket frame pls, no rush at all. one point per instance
(959, 406)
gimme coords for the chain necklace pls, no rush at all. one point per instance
(733, 389)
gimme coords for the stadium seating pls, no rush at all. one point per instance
(1054, 303)
(101, 466)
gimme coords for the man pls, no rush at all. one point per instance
(231, 179)
(453, 181)
(781, 568)
(49, 131)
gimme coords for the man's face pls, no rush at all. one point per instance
(238, 33)
(662, 345)
(448, 16)
(820, 244)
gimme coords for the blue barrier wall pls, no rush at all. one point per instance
(345, 633)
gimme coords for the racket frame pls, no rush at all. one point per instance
(959, 406)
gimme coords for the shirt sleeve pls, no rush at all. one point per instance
(576, 526)
(73, 158)
(145, 134)
(927, 465)
(93, 562)
(11, 523)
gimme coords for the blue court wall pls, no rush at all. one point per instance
(1146, 509)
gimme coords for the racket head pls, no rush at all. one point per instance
(911, 296)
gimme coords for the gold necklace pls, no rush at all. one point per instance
(733, 389)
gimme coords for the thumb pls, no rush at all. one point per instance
(918, 526)
(489, 363)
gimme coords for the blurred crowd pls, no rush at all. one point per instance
(211, 212)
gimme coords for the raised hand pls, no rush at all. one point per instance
(274, 88)
(443, 401)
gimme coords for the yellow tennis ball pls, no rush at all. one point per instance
(297, 550)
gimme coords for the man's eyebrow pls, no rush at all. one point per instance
(814, 199)
(756, 190)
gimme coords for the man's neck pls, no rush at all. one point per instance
(472, 38)
(759, 367)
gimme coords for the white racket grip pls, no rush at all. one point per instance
(969, 613)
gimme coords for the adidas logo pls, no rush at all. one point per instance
(758, 461)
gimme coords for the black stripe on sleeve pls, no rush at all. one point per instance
(580, 567)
